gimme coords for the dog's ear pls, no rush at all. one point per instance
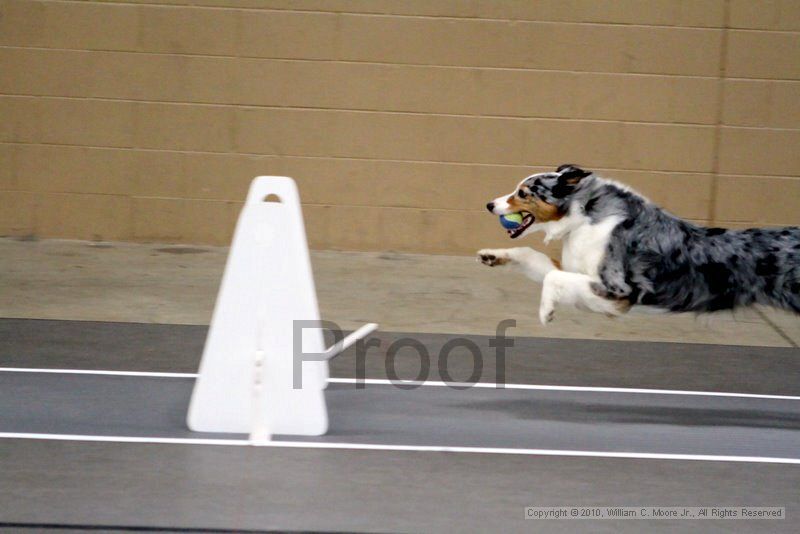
(570, 174)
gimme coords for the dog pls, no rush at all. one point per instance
(622, 251)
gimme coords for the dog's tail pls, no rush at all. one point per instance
(780, 271)
(788, 295)
(763, 266)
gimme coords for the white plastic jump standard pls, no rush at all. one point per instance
(246, 378)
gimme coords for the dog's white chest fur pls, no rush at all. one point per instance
(585, 245)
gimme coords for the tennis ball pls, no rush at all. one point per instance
(511, 221)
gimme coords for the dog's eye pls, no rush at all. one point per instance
(522, 194)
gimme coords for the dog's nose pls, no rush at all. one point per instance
(490, 207)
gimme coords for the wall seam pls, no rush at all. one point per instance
(537, 165)
(376, 14)
(715, 169)
(275, 107)
(360, 61)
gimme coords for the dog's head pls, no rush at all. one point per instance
(540, 198)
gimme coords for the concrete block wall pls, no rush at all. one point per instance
(146, 120)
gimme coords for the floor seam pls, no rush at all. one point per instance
(777, 328)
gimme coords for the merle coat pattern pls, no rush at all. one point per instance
(651, 257)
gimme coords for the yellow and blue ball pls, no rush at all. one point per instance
(511, 221)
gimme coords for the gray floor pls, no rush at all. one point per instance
(177, 348)
(124, 485)
(299, 489)
(437, 416)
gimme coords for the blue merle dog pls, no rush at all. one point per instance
(620, 250)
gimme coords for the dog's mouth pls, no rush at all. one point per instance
(527, 220)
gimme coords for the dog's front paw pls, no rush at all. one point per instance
(493, 257)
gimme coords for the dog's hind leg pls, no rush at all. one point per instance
(533, 263)
(561, 287)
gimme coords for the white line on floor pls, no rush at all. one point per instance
(95, 372)
(121, 439)
(376, 381)
(404, 448)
